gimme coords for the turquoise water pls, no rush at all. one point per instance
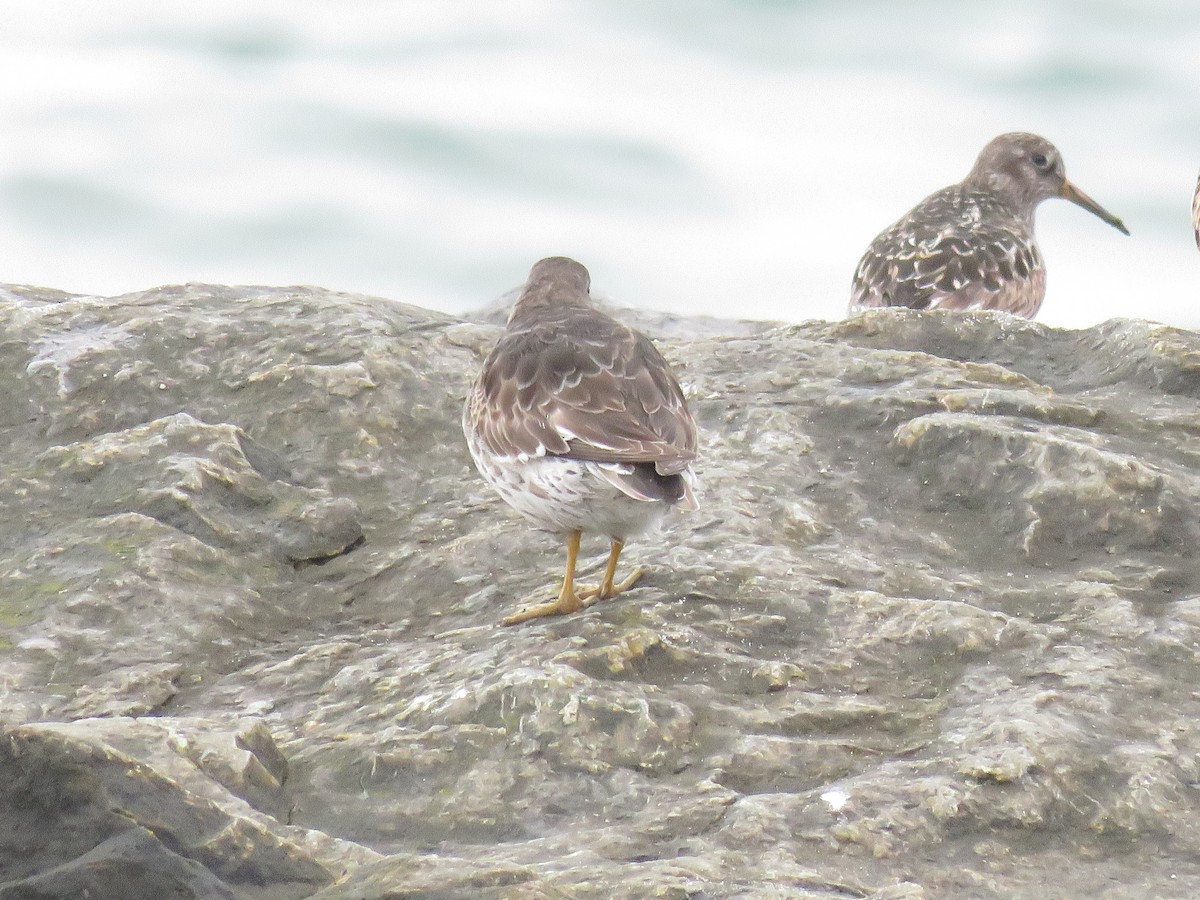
(711, 156)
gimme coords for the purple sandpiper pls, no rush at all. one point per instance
(1196, 212)
(971, 245)
(579, 425)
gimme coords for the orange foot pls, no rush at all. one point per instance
(569, 599)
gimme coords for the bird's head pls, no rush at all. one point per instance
(1026, 169)
(554, 281)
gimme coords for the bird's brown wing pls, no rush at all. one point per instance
(945, 254)
(583, 385)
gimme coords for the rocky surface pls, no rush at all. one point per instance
(934, 632)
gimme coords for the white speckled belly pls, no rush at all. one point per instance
(561, 494)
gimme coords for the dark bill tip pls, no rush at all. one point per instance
(1079, 198)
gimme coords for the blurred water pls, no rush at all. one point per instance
(722, 157)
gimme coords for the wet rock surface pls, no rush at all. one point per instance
(934, 631)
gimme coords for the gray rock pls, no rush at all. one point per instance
(133, 865)
(82, 818)
(933, 632)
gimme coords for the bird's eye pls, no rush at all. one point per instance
(1039, 160)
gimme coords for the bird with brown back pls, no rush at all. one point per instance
(971, 245)
(578, 423)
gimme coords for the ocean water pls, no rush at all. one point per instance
(709, 156)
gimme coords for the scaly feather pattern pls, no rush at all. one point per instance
(971, 245)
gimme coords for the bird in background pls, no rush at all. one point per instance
(1196, 212)
(579, 425)
(971, 245)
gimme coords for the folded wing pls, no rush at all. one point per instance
(947, 255)
(586, 387)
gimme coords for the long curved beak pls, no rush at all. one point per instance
(1068, 191)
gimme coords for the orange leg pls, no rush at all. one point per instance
(568, 601)
(607, 588)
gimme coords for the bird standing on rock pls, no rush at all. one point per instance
(971, 245)
(579, 425)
